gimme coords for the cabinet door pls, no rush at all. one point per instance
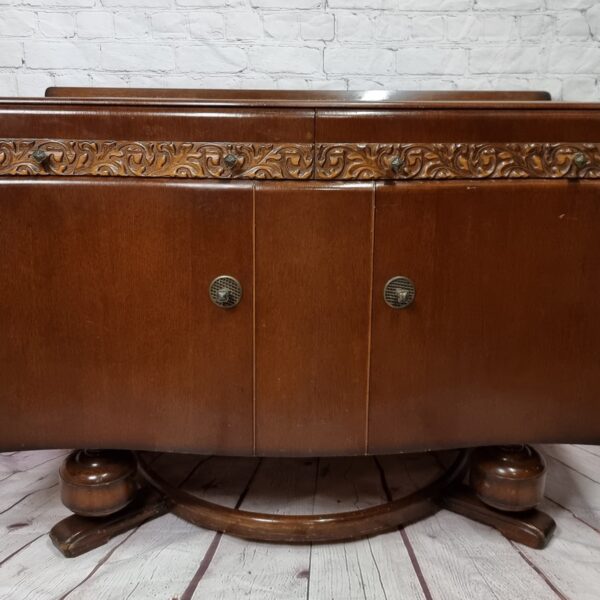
(109, 337)
(501, 344)
(313, 289)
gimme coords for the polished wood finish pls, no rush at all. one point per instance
(328, 527)
(501, 342)
(110, 339)
(313, 288)
(94, 121)
(97, 483)
(304, 95)
(531, 528)
(508, 478)
(76, 535)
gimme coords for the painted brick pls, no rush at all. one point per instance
(435, 61)
(16, 22)
(61, 55)
(130, 25)
(282, 25)
(317, 26)
(56, 25)
(121, 56)
(361, 61)
(211, 59)
(94, 24)
(207, 25)
(285, 59)
(243, 26)
(169, 24)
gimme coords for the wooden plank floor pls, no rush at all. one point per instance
(444, 557)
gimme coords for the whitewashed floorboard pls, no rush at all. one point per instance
(379, 567)
(464, 560)
(168, 558)
(260, 571)
(162, 557)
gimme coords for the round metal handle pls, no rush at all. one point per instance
(399, 292)
(225, 291)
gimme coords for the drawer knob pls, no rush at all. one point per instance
(396, 163)
(225, 291)
(40, 156)
(230, 160)
(580, 160)
(399, 292)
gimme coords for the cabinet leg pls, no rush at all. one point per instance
(506, 483)
(102, 488)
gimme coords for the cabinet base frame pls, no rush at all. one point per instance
(77, 534)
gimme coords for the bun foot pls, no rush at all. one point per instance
(97, 483)
(506, 483)
(102, 488)
(509, 478)
(531, 528)
(76, 535)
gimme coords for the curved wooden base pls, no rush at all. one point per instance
(531, 528)
(78, 534)
(333, 527)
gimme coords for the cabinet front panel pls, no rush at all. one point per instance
(109, 337)
(502, 341)
(313, 278)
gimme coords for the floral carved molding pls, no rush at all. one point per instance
(335, 161)
(156, 159)
(457, 161)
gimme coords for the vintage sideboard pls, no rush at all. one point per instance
(299, 274)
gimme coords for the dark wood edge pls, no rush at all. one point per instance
(76, 535)
(532, 528)
(308, 528)
(264, 95)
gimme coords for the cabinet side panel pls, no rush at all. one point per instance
(313, 277)
(502, 342)
(109, 338)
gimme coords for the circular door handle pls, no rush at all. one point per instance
(225, 291)
(399, 292)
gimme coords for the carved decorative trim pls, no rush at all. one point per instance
(458, 161)
(197, 160)
(223, 160)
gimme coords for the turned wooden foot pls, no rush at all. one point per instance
(97, 483)
(506, 483)
(103, 490)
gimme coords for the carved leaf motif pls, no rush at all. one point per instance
(157, 159)
(457, 161)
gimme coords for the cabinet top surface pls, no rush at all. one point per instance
(374, 99)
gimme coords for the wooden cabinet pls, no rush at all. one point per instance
(116, 214)
(109, 335)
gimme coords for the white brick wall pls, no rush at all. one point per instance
(321, 44)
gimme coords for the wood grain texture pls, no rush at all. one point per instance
(497, 347)
(107, 318)
(175, 160)
(313, 277)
